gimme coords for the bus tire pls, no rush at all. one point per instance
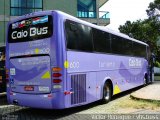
(107, 92)
(145, 80)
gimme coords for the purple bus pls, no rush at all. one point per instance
(57, 61)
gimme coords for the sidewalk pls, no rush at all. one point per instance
(149, 93)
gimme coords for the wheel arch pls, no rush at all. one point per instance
(107, 79)
(146, 77)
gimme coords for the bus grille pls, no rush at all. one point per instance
(78, 85)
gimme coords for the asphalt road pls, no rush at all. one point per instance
(11, 112)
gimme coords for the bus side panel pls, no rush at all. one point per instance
(124, 72)
(91, 87)
(82, 87)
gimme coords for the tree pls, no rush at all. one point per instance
(147, 30)
(154, 9)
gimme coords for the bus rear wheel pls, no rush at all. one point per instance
(107, 92)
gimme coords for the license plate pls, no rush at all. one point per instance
(29, 88)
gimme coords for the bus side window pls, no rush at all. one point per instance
(73, 27)
(101, 41)
(78, 36)
(117, 44)
(127, 47)
(71, 35)
(139, 50)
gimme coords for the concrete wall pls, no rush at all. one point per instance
(156, 70)
(68, 6)
(2, 33)
(5, 3)
(4, 18)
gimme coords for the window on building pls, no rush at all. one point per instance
(21, 7)
(86, 8)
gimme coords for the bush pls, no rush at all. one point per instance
(156, 74)
(157, 64)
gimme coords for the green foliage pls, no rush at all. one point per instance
(147, 30)
(157, 64)
(153, 8)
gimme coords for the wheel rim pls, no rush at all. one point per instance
(107, 92)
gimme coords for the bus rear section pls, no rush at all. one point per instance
(30, 59)
(30, 81)
(30, 75)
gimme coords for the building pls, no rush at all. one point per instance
(87, 10)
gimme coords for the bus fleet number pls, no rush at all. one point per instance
(74, 65)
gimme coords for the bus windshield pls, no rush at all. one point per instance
(30, 29)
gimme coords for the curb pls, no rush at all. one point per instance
(3, 94)
(147, 100)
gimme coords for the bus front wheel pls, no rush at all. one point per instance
(107, 92)
(145, 80)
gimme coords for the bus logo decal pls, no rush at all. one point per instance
(15, 25)
(32, 32)
(66, 64)
(135, 62)
(22, 24)
(46, 75)
(40, 20)
(116, 89)
(72, 65)
(33, 21)
(36, 50)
